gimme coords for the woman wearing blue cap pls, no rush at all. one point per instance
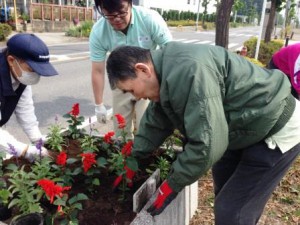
(22, 63)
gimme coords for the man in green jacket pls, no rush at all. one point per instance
(238, 119)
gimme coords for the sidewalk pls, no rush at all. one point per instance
(52, 38)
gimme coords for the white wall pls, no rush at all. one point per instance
(176, 5)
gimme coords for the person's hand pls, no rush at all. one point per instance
(129, 176)
(163, 199)
(31, 152)
(101, 113)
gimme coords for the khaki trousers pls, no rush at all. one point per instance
(131, 109)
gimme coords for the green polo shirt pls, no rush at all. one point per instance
(147, 30)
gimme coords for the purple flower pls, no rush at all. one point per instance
(39, 144)
(12, 150)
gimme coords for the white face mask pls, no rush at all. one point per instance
(28, 78)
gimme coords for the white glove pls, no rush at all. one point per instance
(32, 152)
(101, 113)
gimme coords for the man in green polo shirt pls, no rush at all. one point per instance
(123, 24)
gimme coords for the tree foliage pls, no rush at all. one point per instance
(238, 5)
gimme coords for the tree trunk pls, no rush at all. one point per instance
(270, 25)
(222, 23)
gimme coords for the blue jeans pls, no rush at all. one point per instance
(244, 181)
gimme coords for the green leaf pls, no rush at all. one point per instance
(132, 164)
(77, 206)
(4, 194)
(13, 202)
(96, 181)
(67, 115)
(101, 162)
(78, 197)
(74, 222)
(12, 167)
(2, 154)
(60, 201)
(77, 171)
(71, 160)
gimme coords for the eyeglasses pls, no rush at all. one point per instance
(113, 16)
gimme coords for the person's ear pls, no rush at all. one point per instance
(10, 60)
(142, 67)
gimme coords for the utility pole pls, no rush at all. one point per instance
(5, 11)
(197, 19)
(263, 12)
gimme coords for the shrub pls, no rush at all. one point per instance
(266, 50)
(175, 23)
(5, 30)
(287, 31)
(255, 61)
(82, 30)
(86, 28)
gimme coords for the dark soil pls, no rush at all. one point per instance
(104, 206)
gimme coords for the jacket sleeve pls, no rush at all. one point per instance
(206, 133)
(26, 116)
(154, 128)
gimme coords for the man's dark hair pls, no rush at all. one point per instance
(110, 5)
(120, 63)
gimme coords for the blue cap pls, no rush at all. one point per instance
(33, 51)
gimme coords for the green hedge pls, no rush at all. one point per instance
(255, 61)
(266, 50)
(5, 30)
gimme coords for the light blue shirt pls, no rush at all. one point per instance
(147, 29)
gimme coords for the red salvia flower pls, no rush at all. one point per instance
(88, 160)
(117, 181)
(129, 176)
(121, 121)
(107, 137)
(75, 110)
(61, 159)
(51, 189)
(126, 150)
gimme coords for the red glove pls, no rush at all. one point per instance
(163, 199)
(129, 175)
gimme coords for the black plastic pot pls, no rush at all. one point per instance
(5, 213)
(29, 219)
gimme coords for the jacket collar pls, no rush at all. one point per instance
(157, 57)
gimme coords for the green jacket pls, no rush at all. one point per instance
(218, 100)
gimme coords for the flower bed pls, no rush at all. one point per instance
(85, 179)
